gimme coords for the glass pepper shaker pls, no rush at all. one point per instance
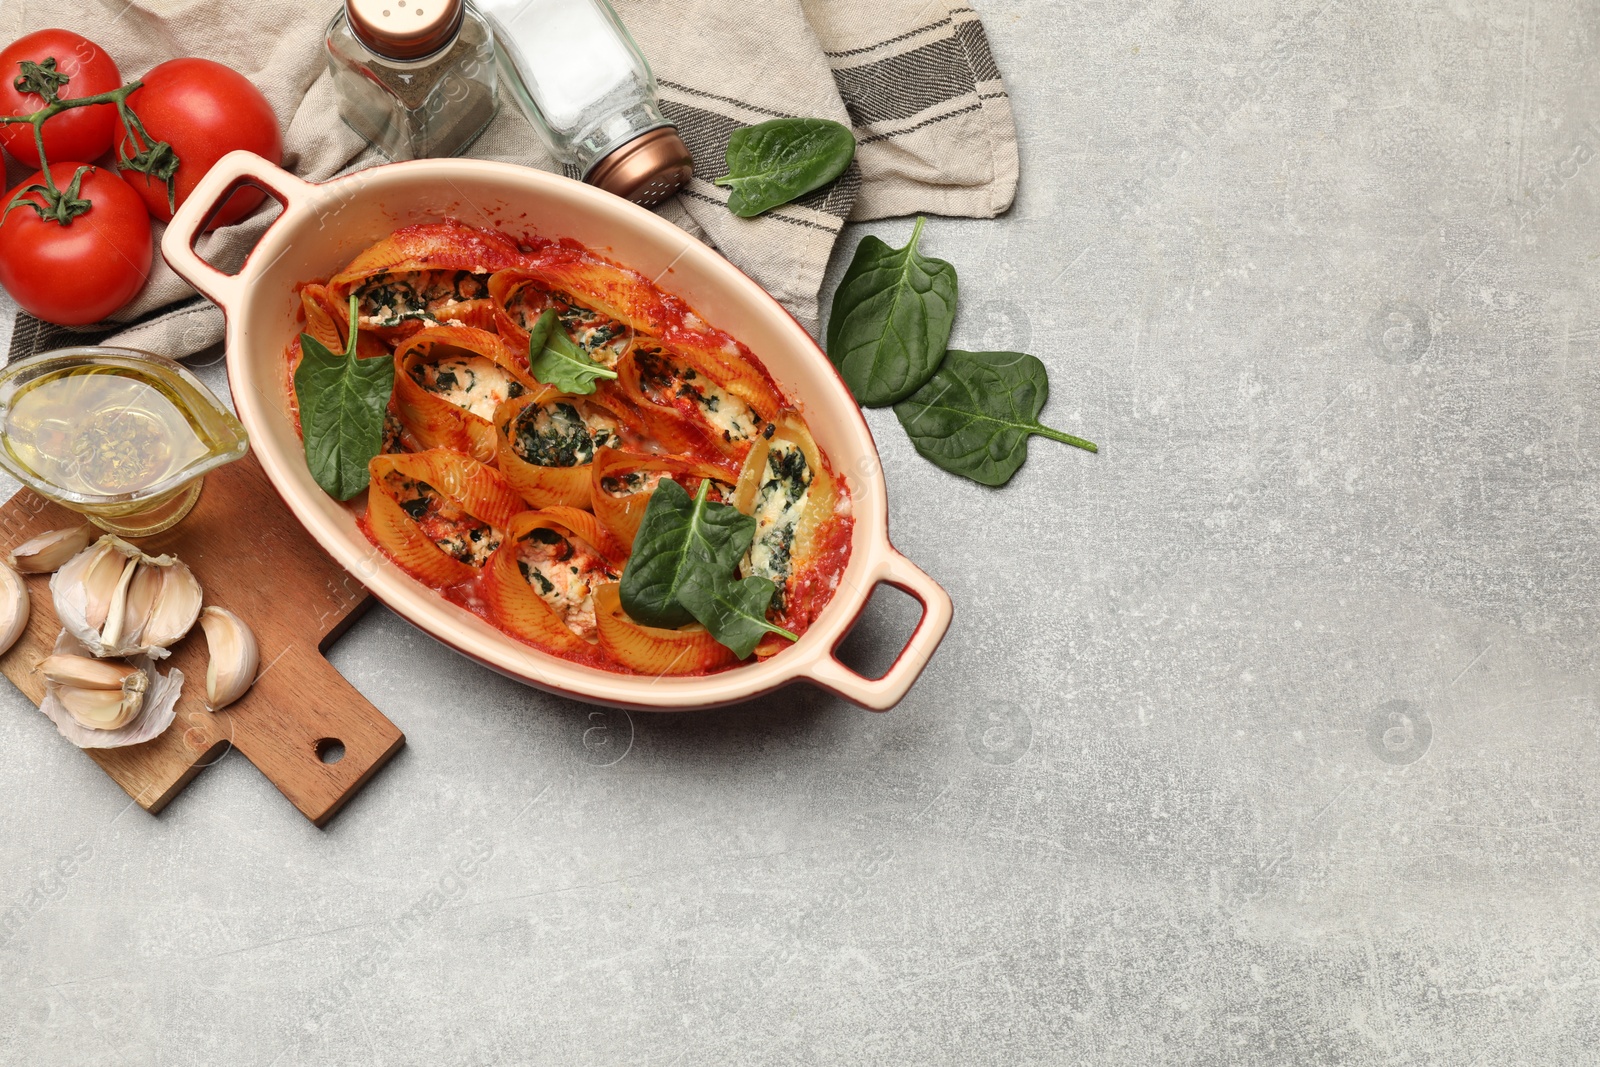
(415, 77)
(584, 85)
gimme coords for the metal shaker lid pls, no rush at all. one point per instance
(647, 169)
(405, 29)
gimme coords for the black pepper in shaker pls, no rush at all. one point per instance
(415, 77)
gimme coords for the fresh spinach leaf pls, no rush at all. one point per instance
(539, 336)
(891, 320)
(974, 416)
(735, 612)
(342, 402)
(677, 538)
(781, 160)
(563, 364)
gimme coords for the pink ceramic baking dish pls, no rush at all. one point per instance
(323, 227)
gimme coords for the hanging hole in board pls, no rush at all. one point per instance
(330, 750)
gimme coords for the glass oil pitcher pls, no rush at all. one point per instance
(122, 437)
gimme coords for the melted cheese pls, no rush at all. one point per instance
(725, 413)
(471, 383)
(779, 504)
(443, 521)
(557, 435)
(427, 296)
(564, 573)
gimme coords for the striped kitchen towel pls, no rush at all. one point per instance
(916, 82)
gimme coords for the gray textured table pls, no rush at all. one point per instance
(1267, 736)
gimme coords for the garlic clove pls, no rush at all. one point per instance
(142, 708)
(117, 611)
(86, 672)
(143, 593)
(234, 657)
(102, 709)
(101, 571)
(48, 551)
(175, 609)
(14, 608)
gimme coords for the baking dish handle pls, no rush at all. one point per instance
(881, 694)
(231, 171)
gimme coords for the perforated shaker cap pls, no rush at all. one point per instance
(405, 29)
(647, 169)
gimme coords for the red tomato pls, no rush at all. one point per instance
(81, 272)
(83, 132)
(204, 110)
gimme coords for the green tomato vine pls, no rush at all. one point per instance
(137, 151)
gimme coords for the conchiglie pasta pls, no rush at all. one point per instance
(439, 514)
(425, 275)
(545, 442)
(449, 380)
(539, 584)
(621, 483)
(651, 649)
(790, 490)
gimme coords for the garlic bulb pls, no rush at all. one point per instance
(234, 656)
(48, 551)
(14, 608)
(120, 602)
(100, 704)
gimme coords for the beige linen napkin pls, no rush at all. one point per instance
(915, 81)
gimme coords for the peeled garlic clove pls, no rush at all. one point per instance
(86, 672)
(48, 551)
(119, 601)
(176, 607)
(141, 707)
(14, 608)
(234, 657)
(103, 709)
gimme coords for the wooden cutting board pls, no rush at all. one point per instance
(253, 558)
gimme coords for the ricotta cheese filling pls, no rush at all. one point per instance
(426, 296)
(557, 435)
(663, 380)
(780, 503)
(472, 383)
(442, 521)
(564, 572)
(629, 483)
(602, 337)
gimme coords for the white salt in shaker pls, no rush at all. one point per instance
(584, 85)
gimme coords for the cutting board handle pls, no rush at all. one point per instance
(319, 755)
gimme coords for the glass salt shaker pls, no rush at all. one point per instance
(415, 77)
(585, 87)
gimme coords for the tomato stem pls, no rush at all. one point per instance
(156, 158)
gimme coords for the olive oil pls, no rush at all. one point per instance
(101, 430)
(120, 436)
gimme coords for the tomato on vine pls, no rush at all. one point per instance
(81, 272)
(42, 67)
(202, 111)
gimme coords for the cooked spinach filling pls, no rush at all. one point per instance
(444, 522)
(780, 502)
(534, 577)
(662, 380)
(390, 299)
(628, 483)
(557, 436)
